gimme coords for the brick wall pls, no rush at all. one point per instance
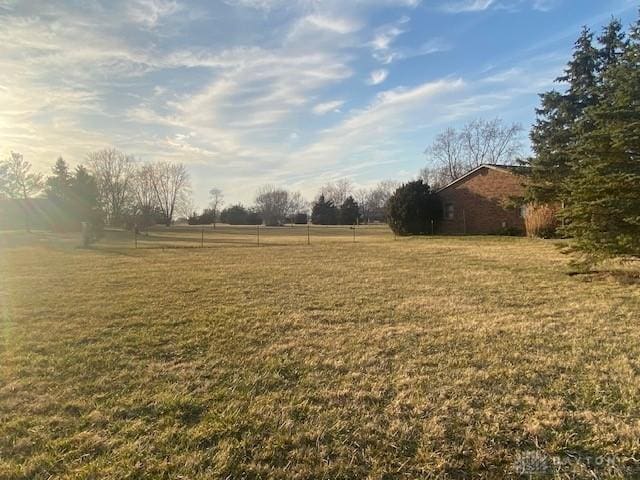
(477, 202)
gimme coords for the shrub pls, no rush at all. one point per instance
(411, 209)
(540, 221)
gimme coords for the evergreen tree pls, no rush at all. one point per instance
(349, 211)
(412, 207)
(553, 135)
(324, 212)
(613, 44)
(84, 198)
(57, 185)
(604, 187)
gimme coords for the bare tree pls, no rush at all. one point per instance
(453, 152)
(17, 181)
(145, 198)
(490, 141)
(297, 204)
(216, 202)
(446, 154)
(337, 191)
(114, 172)
(273, 204)
(362, 197)
(171, 186)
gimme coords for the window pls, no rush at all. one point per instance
(448, 211)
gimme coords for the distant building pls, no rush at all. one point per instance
(481, 202)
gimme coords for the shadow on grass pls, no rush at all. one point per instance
(625, 277)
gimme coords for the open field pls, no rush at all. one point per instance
(416, 358)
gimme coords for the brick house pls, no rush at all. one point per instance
(475, 202)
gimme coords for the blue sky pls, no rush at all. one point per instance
(288, 92)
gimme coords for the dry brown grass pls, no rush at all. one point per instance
(415, 358)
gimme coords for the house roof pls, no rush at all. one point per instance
(513, 169)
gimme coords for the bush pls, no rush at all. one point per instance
(540, 221)
(301, 219)
(411, 209)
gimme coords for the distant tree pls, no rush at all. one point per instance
(20, 183)
(411, 209)
(146, 208)
(324, 212)
(337, 191)
(273, 204)
(58, 184)
(297, 205)
(171, 185)
(239, 215)
(216, 200)
(234, 215)
(453, 152)
(349, 212)
(206, 218)
(376, 200)
(85, 203)
(113, 172)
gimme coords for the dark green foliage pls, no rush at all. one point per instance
(349, 212)
(58, 185)
(324, 212)
(301, 219)
(207, 217)
(239, 215)
(411, 209)
(603, 214)
(554, 133)
(587, 145)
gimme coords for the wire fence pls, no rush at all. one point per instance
(187, 236)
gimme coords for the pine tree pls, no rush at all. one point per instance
(613, 44)
(553, 135)
(57, 185)
(604, 186)
(349, 211)
(324, 212)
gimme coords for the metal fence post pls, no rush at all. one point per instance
(135, 236)
(308, 234)
(431, 226)
(202, 239)
(354, 234)
(258, 231)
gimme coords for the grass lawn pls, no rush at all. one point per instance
(416, 358)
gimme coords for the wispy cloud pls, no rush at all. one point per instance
(460, 6)
(377, 77)
(326, 107)
(150, 13)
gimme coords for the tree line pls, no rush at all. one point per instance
(111, 188)
(337, 203)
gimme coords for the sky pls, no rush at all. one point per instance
(293, 93)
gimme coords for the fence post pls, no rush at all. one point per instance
(354, 234)
(258, 232)
(202, 239)
(431, 226)
(308, 234)
(135, 236)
